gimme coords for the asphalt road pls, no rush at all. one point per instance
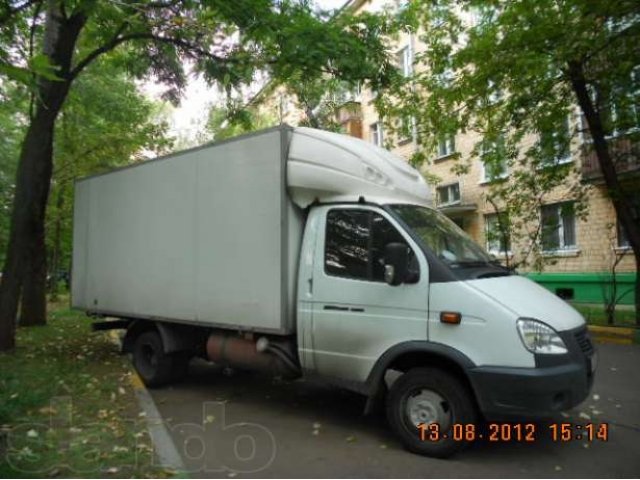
(244, 425)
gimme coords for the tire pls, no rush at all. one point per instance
(428, 395)
(155, 367)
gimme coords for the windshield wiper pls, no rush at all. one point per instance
(470, 263)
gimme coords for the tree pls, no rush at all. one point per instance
(514, 72)
(235, 118)
(55, 42)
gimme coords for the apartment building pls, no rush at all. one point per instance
(579, 253)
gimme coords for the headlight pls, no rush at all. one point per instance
(539, 337)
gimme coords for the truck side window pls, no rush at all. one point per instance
(346, 251)
(355, 242)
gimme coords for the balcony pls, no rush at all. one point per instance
(626, 155)
(450, 201)
(349, 115)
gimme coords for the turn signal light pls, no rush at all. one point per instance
(450, 317)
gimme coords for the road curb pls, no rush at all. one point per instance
(619, 335)
(164, 447)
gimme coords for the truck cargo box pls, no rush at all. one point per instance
(206, 236)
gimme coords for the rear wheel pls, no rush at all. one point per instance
(427, 396)
(155, 367)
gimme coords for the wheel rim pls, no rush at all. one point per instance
(149, 355)
(427, 406)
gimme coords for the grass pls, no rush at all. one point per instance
(594, 314)
(67, 407)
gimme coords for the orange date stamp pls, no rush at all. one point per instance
(515, 432)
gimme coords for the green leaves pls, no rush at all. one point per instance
(500, 70)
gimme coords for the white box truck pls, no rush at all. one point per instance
(295, 251)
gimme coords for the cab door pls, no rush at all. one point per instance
(356, 315)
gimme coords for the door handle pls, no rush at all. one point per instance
(336, 307)
(343, 309)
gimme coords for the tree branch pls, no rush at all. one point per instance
(10, 12)
(118, 40)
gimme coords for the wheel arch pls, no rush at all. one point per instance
(135, 329)
(406, 355)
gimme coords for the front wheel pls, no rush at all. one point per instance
(427, 396)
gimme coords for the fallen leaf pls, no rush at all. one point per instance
(350, 439)
(316, 425)
(558, 468)
(383, 446)
(584, 415)
(315, 432)
(596, 397)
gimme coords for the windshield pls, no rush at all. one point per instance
(445, 239)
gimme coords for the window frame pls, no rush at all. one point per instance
(562, 246)
(448, 187)
(622, 241)
(449, 142)
(377, 133)
(484, 150)
(490, 218)
(370, 270)
(558, 160)
(404, 60)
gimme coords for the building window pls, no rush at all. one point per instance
(558, 227)
(555, 144)
(494, 159)
(497, 233)
(377, 134)
(448, 194)
(621, 114)
(404, 61)
(446, 145)
(623, 238)
(355, 244)
(624, 110)
(406, 129)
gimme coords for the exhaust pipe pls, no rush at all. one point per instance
(251, 355)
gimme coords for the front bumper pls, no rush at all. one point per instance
(557, 383)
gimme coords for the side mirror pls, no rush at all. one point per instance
(396, 260)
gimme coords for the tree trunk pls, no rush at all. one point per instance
(55, 254)
(33, 306)
(34, 174)
(32, 188)
(615, 191)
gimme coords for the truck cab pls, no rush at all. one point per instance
(388, 284)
